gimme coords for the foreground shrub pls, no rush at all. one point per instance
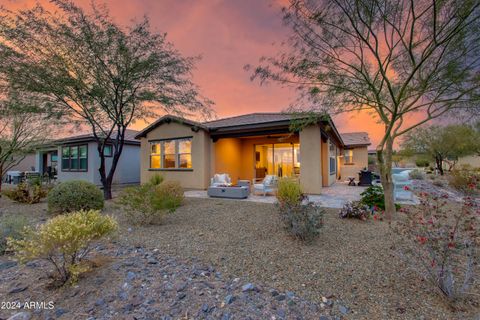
(356, 210)
(149, 203)
(465, 180)
(27, 193)
(11, 227)
(156, 179)
(73, 196)
(289, 191)
(442, 243)
(64, 241)
(302, 221)
(416, 174)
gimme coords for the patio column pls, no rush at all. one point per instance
(311, 159)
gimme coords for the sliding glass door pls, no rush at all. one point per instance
(280, 159)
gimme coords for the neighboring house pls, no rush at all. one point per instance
(77, 157)
(355, 156)
(247, 147)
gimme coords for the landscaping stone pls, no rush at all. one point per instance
(344, 310)
(229, 299)
(248, 287)
(7, 265)
(18, 289)
(21, 316)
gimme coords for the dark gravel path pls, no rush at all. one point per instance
(135, 283)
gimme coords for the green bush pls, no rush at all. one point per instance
(73, 196)
(374, 197)
(11, 226)
(422, 162)
(416, 174)
(64, 241)
(26, 193)
(289, 191)
(302, 221)
(149, 203)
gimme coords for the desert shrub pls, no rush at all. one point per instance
(465, 180)
(422, 162)
(355, 209)
(149, 203)
(73, 196)
(169, 196)
(64, 241)
(374, 197)
(416, 174)
(11, 226)
(156, 179)
(302, 221)
(26, 193)
(289, 191)
(442, 243)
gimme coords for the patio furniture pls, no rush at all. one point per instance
(14, 177)
(402, 186)
(244, 183)
(233, 192)
(365, 178)
(351, 181)
(221, 180)
(268, 184)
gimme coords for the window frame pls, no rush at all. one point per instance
(69, 169)
(161, 154)
(332, 153)
(111, 150)
(345, 162)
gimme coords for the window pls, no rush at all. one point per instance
(54, 156)
(333, 157)
(74, 158)
(171, 154)
(108, 150)
(348, 156)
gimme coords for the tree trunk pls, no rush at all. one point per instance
(1, 179)
(439, 162)
(384, 158)
(117, 146)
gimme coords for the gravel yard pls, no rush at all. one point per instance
(350, 271)
(351, 260)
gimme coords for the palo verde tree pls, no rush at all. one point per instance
(92, 72)
(407, 62)
(443, 144)
(22, 128)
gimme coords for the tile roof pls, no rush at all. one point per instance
(129, 136)
(355, 139)
(251, 118)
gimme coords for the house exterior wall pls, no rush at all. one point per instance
(229, 157)
(128, 166)
(360, 161)
(196, 178)
(127, 171)
(311, 159)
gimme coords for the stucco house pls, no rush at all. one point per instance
(76, 157)
(250, 146)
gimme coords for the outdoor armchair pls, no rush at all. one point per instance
(268, 184)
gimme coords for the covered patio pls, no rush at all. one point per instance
(333, 197)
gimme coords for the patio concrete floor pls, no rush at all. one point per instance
(334, 196)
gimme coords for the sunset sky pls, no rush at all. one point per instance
(228, 34)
